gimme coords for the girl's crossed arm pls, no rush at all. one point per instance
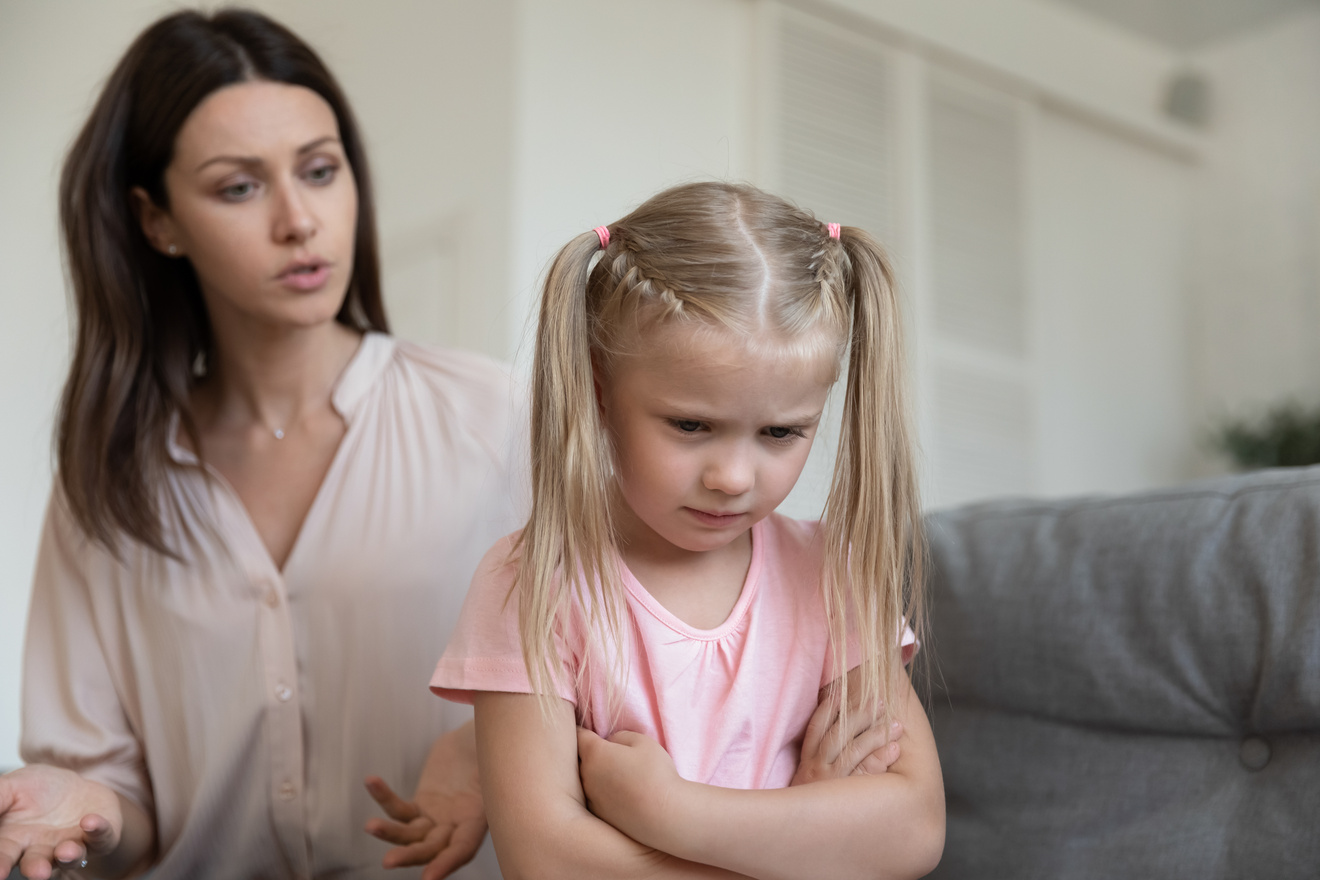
(882, 826)
(537, 812)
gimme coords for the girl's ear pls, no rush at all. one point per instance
(157, 225)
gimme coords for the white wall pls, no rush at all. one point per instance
(432, 83)
(1109, 255)
(1256, 259)
(1054, 49)
(618, 99)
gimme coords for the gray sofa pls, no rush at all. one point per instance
(1130, 686)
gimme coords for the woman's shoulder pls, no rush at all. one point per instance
(457, 373)
(469, 392)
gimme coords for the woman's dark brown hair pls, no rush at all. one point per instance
(141, 322)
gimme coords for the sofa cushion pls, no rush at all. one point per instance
(1130, 686)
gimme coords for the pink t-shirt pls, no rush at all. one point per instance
(729, 704)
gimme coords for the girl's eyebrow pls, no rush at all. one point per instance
(685, 413)
(256, 160)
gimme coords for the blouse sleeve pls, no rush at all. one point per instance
(485, 653)
(72, 714)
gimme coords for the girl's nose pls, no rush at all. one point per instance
(293, 221)
(731, 473)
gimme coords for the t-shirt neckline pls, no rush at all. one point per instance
(751, 584)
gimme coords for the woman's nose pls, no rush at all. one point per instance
(293, 220)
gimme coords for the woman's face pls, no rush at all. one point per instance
(263, 202)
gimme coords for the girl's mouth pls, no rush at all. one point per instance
(712, 518)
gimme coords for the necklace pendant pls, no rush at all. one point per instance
(279, 433)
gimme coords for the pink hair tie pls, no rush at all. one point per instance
(603, 233)
(833, 229)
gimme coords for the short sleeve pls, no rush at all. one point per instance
(72, 714)
(485, 653)
(908, 647)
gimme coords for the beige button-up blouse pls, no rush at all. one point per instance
(242, 706)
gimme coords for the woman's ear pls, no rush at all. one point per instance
(156, 223)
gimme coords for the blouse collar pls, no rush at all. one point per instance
(373, 355)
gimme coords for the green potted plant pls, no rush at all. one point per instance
(1288, 435)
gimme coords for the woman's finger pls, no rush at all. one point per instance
(395, 806)
(100, 838)
(400, 833)
(419, 853)
(10, 851)
(70, 852)
(36, 862)
(463, 845)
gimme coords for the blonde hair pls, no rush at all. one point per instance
(732, 257)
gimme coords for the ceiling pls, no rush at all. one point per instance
(1188, 24)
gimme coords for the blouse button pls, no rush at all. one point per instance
(283, 692)
(287, 790)
(273, 598)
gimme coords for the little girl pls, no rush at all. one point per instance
(655, 600)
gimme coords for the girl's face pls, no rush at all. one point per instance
(262, 202)
(709, 437)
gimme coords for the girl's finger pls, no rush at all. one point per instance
(870, 741)
(821, 720)
(395, 806)
(879, 761)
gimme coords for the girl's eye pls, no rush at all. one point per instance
(322, 174)
(237, 192)
(778, 432)
(687, 426)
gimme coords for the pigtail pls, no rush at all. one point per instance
(874, 543)
(568, 542)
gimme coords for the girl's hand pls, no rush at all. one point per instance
(629, 781)
(444, 824)
(51, 818)
(830, 752)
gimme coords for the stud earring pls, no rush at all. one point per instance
(173, 250)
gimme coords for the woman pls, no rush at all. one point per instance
(266, 511)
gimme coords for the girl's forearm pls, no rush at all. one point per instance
(885, 825)
(864, 826)
(579, 846)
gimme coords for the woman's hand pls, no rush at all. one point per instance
(829, 751)
(629, 781)
(444, 824)
(51, 817)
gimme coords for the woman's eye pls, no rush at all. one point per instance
(687, 426)
(236, 192)
(322, 174)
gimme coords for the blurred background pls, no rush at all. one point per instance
(1103, 212)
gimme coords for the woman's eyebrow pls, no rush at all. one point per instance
(256, 160)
